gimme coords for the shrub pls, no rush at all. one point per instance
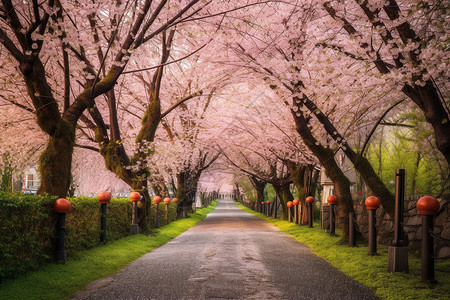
(27, 229)
(27, 224)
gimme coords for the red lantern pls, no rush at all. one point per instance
(332, 199)
(427, 205)
(157, 199)
(104, 197)
(309, 199)
(62, 206)
(135, 196)
(267, 202)
(289, 204)
(166, 200)
(372, 202)
(296, 202)
(175, 200)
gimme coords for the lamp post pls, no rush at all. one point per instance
(289, 205)
(332, 201)
(295, 202)
(372, 203)
(167, 202)
(104, 198)
(157, 200)
(135, 197)
(310, 201)
(62, 207)
(175, 200)
(427, 206)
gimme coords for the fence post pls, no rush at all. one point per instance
(289, 205)
(135, 197)
(310, 201)
(167, 202)
(427, 206)
(157, 200)
(62, 207)
(332, 201)
(398, 250)
(351, 230)
(372, 203)
(296, 202)
(104, 198)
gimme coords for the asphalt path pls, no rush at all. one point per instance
(231, 254)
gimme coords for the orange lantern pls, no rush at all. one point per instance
(296, 202)
(157, 199)
(62, 205)
(332, 200)
(427, 205)
(372, 202)
(289, 204)
(166, 200)
(309, 199)
(104, 197)
(135, 196)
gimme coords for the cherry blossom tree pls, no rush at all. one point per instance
(405, 42)
(98, 47)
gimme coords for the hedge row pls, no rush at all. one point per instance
(27, 228)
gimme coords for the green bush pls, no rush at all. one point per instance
(27, 229)
(27, 226)
(83, 222)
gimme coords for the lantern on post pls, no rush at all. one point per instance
(372, 203)
(332, 201)
(310, 201)
(263, 208)
(135, 197)
(167, 202)
(268, 206)
(289, 205)
(427, 206)
(157, 200)
(61, 208)
(295, 202)
(104, 198)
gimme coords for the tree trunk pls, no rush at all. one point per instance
(332, 170)
(55, 162)
(286, 196)
(259, 186)
(361, 164)
(145, 204)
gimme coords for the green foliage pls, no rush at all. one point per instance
(27, 224)
(62, 281)
(409, 149)
(26, 232)
(83, 222)
(248, 188)
(269, 192)
(370, 271)
(6, 171)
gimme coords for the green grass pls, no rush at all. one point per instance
(370, 271)
(62, 281)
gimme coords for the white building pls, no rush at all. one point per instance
(31, 180)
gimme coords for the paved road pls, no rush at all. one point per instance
(229, 255)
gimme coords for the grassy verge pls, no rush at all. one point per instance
(370, 271)
(62, 281)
